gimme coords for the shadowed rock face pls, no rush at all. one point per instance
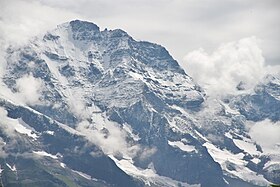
(82, 30)
(263, 104)
(83, 26)
(89, 75)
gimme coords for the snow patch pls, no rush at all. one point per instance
(10, 126)
(62, 165)
(238, 166)
(221, 156)
(227, 134)
(182, 146)
(128, 129)
(136, 76)
(84, 175)
(50, 132)
(229, 110)
(148, 176)
(248, 147)
(45, 154)
(1, 170)
(13, 168)
(256, 160)
(24, 130)
(274, 162)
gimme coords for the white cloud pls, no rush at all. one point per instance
(108, 136)
(6, 124)
(77, 104)
(3, 62)
(3, 154)
(22, 19)
(181, 26)
(111, 138)
(29, 89)
(147, 152)
(266, 134)
(19, 21)
(221, 71)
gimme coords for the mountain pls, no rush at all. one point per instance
(84, 107)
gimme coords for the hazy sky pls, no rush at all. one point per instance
(180, 25)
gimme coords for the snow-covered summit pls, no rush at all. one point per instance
(116, 111)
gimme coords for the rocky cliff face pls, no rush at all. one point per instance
(112, 111)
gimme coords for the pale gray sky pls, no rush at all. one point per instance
(180, 25)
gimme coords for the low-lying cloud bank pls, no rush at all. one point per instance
(232, 64)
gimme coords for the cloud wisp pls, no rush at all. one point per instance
(22, 20)
(29, 89)
(269, 138)
(111, 138)
(236, 64)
